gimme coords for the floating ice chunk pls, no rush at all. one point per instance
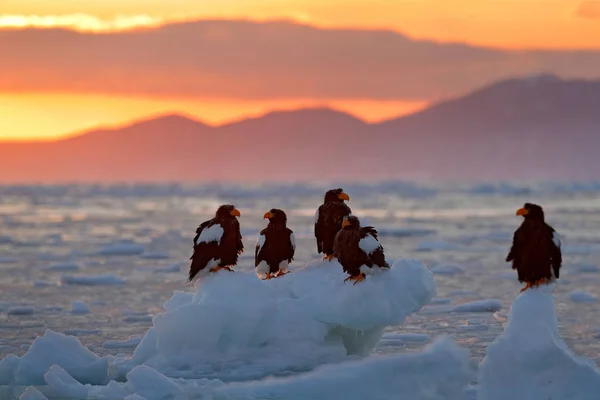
(173, 268)
(578, 296)
(65, 351)
(437, 245)
(62, 267)
(292, 323)
(147, 382)
(404, 232)
(122, 248)
(79, 307)
(93, 280)
(20, 310)
(63, 386)
(8, 366)
(31, 393)
(587, 269)
(127, 344)
(488, 305)
(529, 360)
(446, 270)
(442, 371)
(155, 256)
(146, 349)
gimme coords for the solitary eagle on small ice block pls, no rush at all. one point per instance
(358, 250)
(218, 243)
(535, 250)
(275, 247)
(328, 220)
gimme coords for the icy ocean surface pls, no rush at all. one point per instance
(87, 268)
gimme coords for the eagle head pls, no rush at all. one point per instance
(350, 222)
(531, 212)
(336, 195)
(276, 216)
(227, 211)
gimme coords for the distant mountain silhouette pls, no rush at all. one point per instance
(540, 127)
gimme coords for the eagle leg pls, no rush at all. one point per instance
(543, 281)
(281, 273)
(220, 267)
(328, 257)
(267, 276)
(527, 286)
(356, 279)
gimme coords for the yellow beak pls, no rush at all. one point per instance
(345, 223)
(522, 211)
(235, 212)
(268, 215)
(343, 196)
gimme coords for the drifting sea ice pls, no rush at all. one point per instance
(529, 360)
(238, 328)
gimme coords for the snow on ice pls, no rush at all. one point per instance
(529, 360)
(283, 328)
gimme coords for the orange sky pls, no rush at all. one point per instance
(511, 24)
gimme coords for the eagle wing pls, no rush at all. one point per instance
(262, 238)
(292, 248)
(206, 246)
(514, 250)
(556, 252)
(319, 229)
(371, 246)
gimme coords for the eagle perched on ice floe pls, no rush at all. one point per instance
(358, 249)
(218, 243)
(328, 220)
(275, 247)
(535, 251)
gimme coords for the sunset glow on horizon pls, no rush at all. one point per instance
(44, 95)
(54, 116)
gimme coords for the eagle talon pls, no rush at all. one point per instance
(267, 276)
(356, 279)
(281, 273)
(214, 270)
(527, 286)
(328, 257)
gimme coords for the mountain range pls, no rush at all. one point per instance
(538, 127)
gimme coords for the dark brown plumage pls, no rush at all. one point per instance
(535, 251)
(328, 220)
(275, 247)
(358, 250)
(217, 243)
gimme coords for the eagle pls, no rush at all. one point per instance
(536, 249)
(275, 247)
(358, 250)
(217, 243)
(328, 220)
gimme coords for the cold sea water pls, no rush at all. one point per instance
(138, 239)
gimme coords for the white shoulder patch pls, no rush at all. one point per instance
(293, 240)
(260, 242)
(556, 239)
(211, 234)
(369, 244)
(317, 216)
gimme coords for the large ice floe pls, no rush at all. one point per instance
(529, 360)
(239, 337)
